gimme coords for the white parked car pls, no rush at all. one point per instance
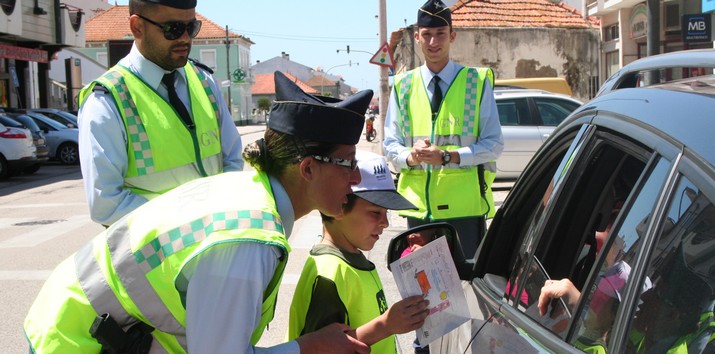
(17, 150)
(527, 118)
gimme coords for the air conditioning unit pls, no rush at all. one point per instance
(11, 17)
(72, 24)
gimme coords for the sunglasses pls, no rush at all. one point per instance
(351, 164)
(174, 30)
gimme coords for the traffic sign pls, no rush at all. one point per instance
(383, 57)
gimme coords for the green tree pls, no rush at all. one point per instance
(264, 104)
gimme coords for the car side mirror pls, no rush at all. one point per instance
(416, 237)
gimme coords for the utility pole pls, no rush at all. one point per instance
(384, 93)
(228, 71)
(653, 38)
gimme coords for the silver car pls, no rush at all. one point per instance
(527, 117)
(606, 243)
(62, 141)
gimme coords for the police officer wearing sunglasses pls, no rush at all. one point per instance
(155, 120)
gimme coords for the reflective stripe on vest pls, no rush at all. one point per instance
(133, 270)
(451, 191)
(165, 153)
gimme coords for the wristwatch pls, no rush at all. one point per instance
(446, 157)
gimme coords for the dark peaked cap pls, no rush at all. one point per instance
(434, 13)
(177, 4)
(297, 113)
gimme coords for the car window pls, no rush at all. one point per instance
(616, 258)
(602, 177)
(553, 111)
(513, 112)
(48, 124)
(674, 312)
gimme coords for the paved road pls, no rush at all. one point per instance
(44, 219)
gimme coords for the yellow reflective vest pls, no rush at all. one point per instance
(163, 151)
(336, 286)
(133, 270)
(450, 191)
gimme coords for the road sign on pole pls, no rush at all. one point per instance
(383, 57)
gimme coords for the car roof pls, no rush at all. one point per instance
(504, 92)
(693, 58)
(680, 109)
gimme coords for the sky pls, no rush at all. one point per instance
(311, 31)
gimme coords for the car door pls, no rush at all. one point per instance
(498, 252)
(548, 230)
(521, 136)
(670, 297)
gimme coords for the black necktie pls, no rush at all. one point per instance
(436, 96)
(168, 80)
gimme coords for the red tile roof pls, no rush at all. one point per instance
(320, 80)
(518, 13)
(265, 85)
(113, 23)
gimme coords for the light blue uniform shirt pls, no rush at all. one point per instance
(488, 147)
(229, 279)
(103, 141)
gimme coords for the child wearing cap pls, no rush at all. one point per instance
(339, 284)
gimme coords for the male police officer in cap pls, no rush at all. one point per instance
(198, 269)
(155, 120)
(442, 132)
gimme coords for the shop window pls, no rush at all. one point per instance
(208, 57)
(612, 32)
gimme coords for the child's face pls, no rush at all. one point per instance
(363, 225)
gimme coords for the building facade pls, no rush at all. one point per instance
(683, 24)
(31, 33)
(518, 39)
(227, 53)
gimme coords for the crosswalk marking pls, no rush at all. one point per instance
(24, 274)
(44, 233)
(48, 205)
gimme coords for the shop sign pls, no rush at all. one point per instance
(639, 21)
(25, 54)
(696, 28)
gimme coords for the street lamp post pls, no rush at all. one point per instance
(228, 70)
(322, 78)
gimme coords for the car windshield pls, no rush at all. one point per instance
(8, 122)
(51, 122)
(27, 121)
(68, 115)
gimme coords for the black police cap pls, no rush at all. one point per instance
(434, 13)
(297, 113)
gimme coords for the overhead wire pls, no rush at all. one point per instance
(303, 38)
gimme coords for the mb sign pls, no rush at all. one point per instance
(696, 28)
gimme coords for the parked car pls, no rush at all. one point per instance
(686, 63)
(38, 138)
(66, 118)
(527, 118)
(62, 141)
(618, 203)
(17, 150)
